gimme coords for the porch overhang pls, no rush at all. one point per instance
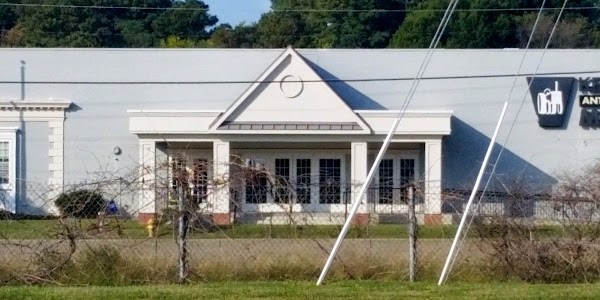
(178, 122)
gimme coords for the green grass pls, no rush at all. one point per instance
(44, 229)
(131, 229)
(308, 290)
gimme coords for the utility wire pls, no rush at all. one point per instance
(451, 259)
(302, 81)
(521, 104)
(415, 83)
(464, 237)
(293, 10)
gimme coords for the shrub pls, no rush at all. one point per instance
(557, 245)
(80, 204)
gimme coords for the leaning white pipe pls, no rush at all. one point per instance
(493, 141)
(356, 204)
(473, 193)
(388, 139)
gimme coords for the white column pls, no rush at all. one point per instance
(147, 157)
(56, 161)
(220, 195)
(358, 170)
(433, 177)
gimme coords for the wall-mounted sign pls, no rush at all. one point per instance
(550, 98)
(589, 85)
(589, 102)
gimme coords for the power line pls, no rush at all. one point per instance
(303, 81)
(295, 10)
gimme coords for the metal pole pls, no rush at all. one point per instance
(356, 204)
(388, 139)
(183, 224)
(22, 80)
(412, 233)
(493, 141)
(473, 193)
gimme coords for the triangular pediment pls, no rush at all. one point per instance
(290, 96)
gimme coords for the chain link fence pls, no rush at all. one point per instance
(127, 229)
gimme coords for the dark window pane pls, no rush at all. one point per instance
(200, 180)
(303, 180)
(386, 181)
(257, 183)
(329, 181)
(282, 173)
(407, 176)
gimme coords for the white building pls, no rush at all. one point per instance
(314, 118)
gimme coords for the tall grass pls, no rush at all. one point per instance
(107, 266)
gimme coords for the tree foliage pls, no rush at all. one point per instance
(300, 23)
(498, 24)
(54, 26)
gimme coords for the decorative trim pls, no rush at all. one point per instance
(289, 126)
(53, 112)
(291, 86)
(289, 52)
(34, 105)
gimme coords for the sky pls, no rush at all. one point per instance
(237, 11)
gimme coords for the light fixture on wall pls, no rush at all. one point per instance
(116, 150)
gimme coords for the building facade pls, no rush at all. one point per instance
(281, 131)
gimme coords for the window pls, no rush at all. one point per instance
(303, 180)
(282, 173)
(199, 180)
(386, 181)
(191, 174)
(407, 175)
(8, 168)
(257, 182)
(179, 174)
(329, 181)
(4, 163)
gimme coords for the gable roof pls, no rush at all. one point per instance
(290, 95)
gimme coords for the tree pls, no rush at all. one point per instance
(242, 36)
(8, 17)
(281, 29)
(419, 26)
(330, 24)
(185, 23)
(177, 42)
(495, 24)
(478, 28)
(135, 33)
(570, 33)
(52, 26)
(355, 23)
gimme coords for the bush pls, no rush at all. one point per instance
(557, 245)
(80, 204)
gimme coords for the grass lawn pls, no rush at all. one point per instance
(131, 229)
(307, 290)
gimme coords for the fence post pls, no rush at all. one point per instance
(412, 232)
(183, 226)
